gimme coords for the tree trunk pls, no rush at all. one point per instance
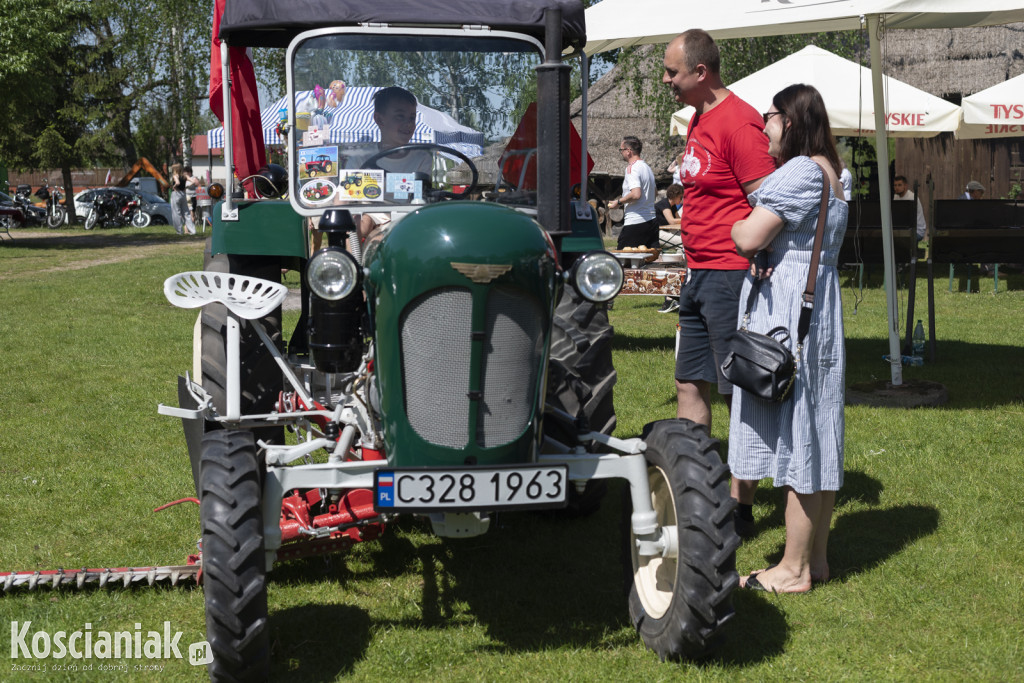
(69, 194)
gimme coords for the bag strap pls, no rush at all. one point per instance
(804, 324)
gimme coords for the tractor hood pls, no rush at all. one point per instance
(461, 296)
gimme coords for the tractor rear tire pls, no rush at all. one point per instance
(581, 377)
(261, 378)
(679, 604)
(234, 561)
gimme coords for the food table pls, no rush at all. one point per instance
(644, 274)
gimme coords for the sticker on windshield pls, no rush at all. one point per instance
(404, 186)
(318, 191)
(360, 184)
(318, 162)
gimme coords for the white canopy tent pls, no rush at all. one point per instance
(620, 23)
(846, 89)
(996, 112)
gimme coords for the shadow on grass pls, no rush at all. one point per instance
(101, 239)
(864, 539)
(315, 642)
(757, 633)
(623, 341)
(974, 374)
(857, 487)
(534, 581)
(391, 555)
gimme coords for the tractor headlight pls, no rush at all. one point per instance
(332, 274)
(597, 276)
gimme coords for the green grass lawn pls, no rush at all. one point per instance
(926, 551)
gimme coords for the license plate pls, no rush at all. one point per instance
(479, 488)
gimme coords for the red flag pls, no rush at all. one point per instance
(247, 128)
(524, 140)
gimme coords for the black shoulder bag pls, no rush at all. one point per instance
(761, 364)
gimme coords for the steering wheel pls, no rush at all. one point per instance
(432, 146)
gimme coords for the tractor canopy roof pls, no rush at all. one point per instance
(273, 23)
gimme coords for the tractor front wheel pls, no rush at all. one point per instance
(234, 569)
(680, 602)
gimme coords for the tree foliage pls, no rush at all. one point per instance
(81, 80)
(643, 66)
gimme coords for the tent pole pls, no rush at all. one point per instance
(885, 198)
(585, 72)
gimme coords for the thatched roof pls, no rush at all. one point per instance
(612, 113)
(956, 62)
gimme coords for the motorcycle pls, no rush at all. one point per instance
(111, 209)
(32, 214)
(56, 213)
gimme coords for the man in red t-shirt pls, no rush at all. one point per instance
(726, 158)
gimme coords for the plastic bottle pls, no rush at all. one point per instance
(305, 111)
(919, 339)
(915, 361)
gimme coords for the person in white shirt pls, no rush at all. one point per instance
(902, 191)
(846, 178)
(639, 226)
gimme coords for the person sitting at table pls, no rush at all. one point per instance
(669, 213)
(975, 190)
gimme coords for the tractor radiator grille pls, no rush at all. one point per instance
(511, 362)
(435, 363)
(436, 333)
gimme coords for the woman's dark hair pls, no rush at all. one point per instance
(674, 190)
(808, 132)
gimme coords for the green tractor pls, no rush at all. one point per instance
(456, 360)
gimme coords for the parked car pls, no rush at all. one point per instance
(31, 215)
(158, 208)
(7, 220)
(143, 185)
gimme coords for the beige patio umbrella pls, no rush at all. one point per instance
(845, 87)
(996, 112)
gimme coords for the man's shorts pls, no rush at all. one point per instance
(639, 235)
(708, 312)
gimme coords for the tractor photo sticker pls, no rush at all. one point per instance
(318, 162)
(321, 164)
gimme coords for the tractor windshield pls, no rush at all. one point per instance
(385, 122)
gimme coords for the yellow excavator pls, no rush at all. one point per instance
(144, 164)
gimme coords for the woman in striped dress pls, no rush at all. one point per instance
(798, 443)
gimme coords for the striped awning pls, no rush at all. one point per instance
(353, 122)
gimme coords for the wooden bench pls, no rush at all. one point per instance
(862, 243)
(978, 231)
